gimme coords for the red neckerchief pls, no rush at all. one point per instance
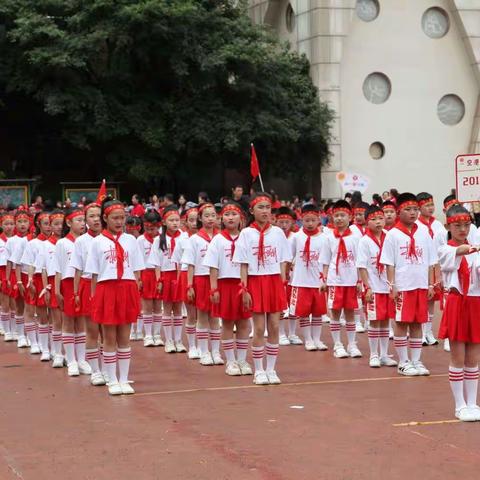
(42, 237)
(342, 248)
(53, 239)
(30, 236)
(3, 237)
(261, 241)
(379, 244)
(306, 248)
(70, 237)
(388, 228)
(361, 228)
(172, 240)
(119, 251)
(287, 234)
(148, 237)
(232, 241)
(203, 234)
(411, 251)
(463, 270)
(428, 224)
(91, 233)
(330, 225)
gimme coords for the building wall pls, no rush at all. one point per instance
(419, 150)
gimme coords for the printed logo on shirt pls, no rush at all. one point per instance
(111, 256)
(269, 253)
(313, 257)
(413, 260)
(349, 261)
(228, 256)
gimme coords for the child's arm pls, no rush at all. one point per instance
(93, 285)
(246, 297)
(58, 279)
(431, 282)
(283, 270)
(214, 293)
(76, 287)
(391, 282)
(190, 290)
(363, 277)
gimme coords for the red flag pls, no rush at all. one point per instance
(254, 168)
(102, 193)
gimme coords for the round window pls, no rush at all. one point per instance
(377, 87)
(367, 10)
(435, 22)
(450, 109)
(377, 150)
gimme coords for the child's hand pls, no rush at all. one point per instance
(369, 295)
(247, 301)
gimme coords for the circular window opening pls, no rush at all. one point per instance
(377, 150)
(367, 10)
(435, 22)
(377, 88)
(450, 109)
(290, 18)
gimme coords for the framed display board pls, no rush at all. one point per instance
(13, 195)
(75, 194)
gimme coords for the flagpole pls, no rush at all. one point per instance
(261, 182)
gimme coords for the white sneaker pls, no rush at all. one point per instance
(2, 332)
(22, 342)
(260, 378)
(148, 341)
(465, 414)
(114, 389)
(310, 346)
(106, 377)
(388, 362)
(84, 367)
(320, 345)
(127, 389)
(283, 340)
(73, 369)
(58, 361)
(343, 322)
(35, 350)
(446, 345)
(273, 378)
(8, 337)
(233, 369)
(45, 356)
(475, 410)
(295, 340)
(217, 358)
(359, 328)
(353, 350)
(170, 347)
(15, 336)
(407, 369)
(245, 367)
(430, 339)
(139, 336)
(206, 359)
(97, 379)
(180, 347)
(133, 336)
(421, 369)
(374, 361)
(157, 341)
(339, 351)
(194, 353)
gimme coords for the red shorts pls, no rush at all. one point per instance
(342, 297)
(181, 288)
(3, 276)
(381, 308)
(149, 284)
(231, 301)
(13, 290)
(85, 294)
(53, 297)
(306, 301)
(170, 292)
(201, 285)
(268, 293)
(460, 320)
(412, 306)
(66, 289)
(116, 302)
(38, 284)
(27, 296)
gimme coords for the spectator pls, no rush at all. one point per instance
(137, 210)
(348, 197)
(182, 204)
(309, 199)
(377, 200)
(203, 198)
(168, 200)
(356, 198)
(385, 196)
(239, 197)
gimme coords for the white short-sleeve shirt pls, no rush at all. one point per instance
(63, 255)
(276, 250)
(367, 255)
(78, 260)
(46, 258)
(411, 273)
(194, 252)
(219, 256)
(165, 260)
(30, 253)
(145, 248)
(3, 252)
(102, 258)
(177, 254)
(17, 252)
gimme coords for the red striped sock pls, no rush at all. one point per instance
(123, 357)
(257, 354)
(242, 348)
(228, 349)
(272, 354)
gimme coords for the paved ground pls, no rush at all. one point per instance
(193, 422)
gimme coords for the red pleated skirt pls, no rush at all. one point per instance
(85, 294)
(27, 296)
(116, 302)
(170, 291)
(66, 289)
(38, 284)
(149, 284)
(268, 293)
(13, 290)
(181, 289)
(461, 319)
(231, 301)
(201, 285)
(3, 279)
(53, 297)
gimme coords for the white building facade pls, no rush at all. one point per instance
(403, 78)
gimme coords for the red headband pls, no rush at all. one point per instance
(54, 216)
(408, 203)
(191, 210)
(341, 209)
(133, 227)
(22, 214)
(425, 201)
(91, 205)
(77, 213)
(43, 215)
(201, 208)
(310, 212)
(389, 207)
(285, 216)
(8, 217)
(231, 208)
(111, 208)
(359, 210)
(373, 215)
(151, 224)
(450, 203)
(261, 198)
(461, 217)
(169, 214)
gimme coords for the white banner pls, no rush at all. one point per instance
(467, 176)
(351, 182)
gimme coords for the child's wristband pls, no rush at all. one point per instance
(213, 291)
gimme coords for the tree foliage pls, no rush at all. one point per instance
(148, 84)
